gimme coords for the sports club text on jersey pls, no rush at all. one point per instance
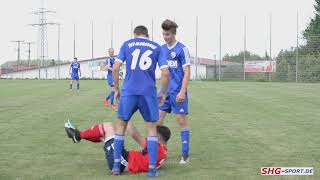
(130, 45)
(177, 54)
(173, 63)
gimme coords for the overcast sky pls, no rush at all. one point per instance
(15, 15)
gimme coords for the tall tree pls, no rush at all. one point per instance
(239, 57)
(312, 33)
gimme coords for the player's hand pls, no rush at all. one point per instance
(105, 68)
(117, 96)
(161, 99)
(180, 97)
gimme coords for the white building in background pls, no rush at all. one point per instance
(90, 69)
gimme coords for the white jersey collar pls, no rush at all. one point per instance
(174, 45)
(141, 37)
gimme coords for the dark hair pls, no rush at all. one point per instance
(141, 30)
(75, 58)
(169, 25)
(164, 131)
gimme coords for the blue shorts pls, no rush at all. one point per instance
(108, 152)
(110, 82)
(74, 77)
(170, 104)
(147, 105)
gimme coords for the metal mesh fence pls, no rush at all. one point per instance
(251, 48)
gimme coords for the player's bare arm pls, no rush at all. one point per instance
(106, 68)
(182, 94)
(109, 68)
(135, 134)
(115, 76)
(165, 77)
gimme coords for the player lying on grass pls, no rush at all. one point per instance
(131, 161)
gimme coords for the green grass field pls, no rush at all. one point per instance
(236, 128)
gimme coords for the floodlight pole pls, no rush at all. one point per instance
(220, 53)
(297, 48)
(244, 47)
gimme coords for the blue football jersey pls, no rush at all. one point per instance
(141, 57)
(177, 57)
(110, 63)
(75, 68)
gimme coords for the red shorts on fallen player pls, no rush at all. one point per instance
(139, 162)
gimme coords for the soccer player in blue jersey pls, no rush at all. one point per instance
(139, 92)
(108, 68)
(74, 72)
(176, 101)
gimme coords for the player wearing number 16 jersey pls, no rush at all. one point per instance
(139, 92)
